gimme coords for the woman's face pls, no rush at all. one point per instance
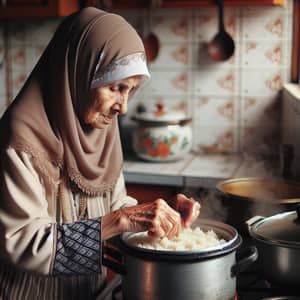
(110, 100)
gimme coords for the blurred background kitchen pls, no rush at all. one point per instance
(244, 109)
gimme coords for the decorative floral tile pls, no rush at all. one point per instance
(264, 54)
(169, 82)
(215, 139)
(172, 56)
(272, 23)
(214, 111)
(262, 82)
(218, 82)
(171, 27)
(215, 125)
(261, 111)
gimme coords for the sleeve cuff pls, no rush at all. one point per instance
(78, 250)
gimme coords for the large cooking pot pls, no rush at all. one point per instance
(277, 239)
(244, 198)
(162, 135)
(195, 275)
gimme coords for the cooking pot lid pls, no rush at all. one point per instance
(283, 228)
(159, 115)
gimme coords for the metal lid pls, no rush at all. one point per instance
(281, 229)
(160, 116)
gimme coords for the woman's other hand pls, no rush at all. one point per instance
(156, 217)
(188, 208)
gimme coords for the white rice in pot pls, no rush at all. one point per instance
(188, 239)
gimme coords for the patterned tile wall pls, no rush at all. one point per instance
(235, 104)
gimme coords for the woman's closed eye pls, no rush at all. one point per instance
(121, 88)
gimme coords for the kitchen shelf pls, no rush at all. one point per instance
(56, 8)
(38, 8)
(123, 4)
(200, 3)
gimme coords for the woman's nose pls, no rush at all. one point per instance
(123, 108)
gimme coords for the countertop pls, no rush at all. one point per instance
(195, 170)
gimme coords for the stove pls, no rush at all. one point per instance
(251, 285)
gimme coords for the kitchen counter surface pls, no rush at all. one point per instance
(195, 170)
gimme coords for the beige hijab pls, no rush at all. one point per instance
(45, 119)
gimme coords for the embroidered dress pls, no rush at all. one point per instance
(64, 258)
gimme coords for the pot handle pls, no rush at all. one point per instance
(248, 256)
(297, 220)
(112, 259)
(249, 223)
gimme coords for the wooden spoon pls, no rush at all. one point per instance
(222, 45)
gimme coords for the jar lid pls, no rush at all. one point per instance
(282, 228)
(160, 115)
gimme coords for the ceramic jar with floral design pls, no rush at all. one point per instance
(162, 135)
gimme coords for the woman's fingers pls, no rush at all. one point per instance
(157, 217)
(192, 212)
(188, 208)
(166, 222)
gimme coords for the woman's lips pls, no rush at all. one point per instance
(107, 119)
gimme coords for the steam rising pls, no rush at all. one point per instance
(239, 210)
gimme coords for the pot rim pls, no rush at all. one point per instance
(193, 255)
(293, 200)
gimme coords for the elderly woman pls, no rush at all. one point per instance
(62, 188)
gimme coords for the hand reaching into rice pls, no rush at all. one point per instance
(188, 209)
(157, 218)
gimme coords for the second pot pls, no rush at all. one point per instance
(277, 239)
(244, 198)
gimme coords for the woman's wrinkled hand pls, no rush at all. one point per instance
(156, 217)
(188, 208)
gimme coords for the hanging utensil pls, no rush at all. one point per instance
(150, 40)
(222, 45)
